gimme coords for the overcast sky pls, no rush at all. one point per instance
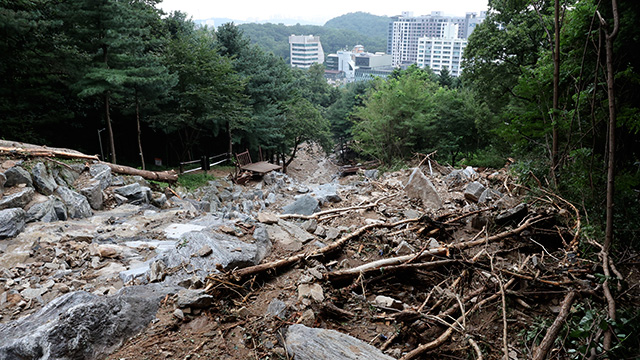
(314, 12)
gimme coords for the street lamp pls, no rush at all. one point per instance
(100, 140)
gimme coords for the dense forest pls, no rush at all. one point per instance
(338, 34)
(552, 84)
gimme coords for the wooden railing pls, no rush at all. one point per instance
(206, 162)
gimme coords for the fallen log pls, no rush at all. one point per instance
(379, 264)
(240, 273)
(166, 176)
(24, 149)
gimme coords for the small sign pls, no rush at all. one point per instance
(158, 161)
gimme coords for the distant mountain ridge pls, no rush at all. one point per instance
(343, 32)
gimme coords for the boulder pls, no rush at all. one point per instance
(304, 205)
(489, 195)
(18, 199)
(134, 193)
(93, 192)
(42, 179)
(11, 223)
(419, 187)
(196, 299)
(65, 176)
(473, 191)
(456, 178)
(512, 215)
(80, 325)
(43, 211)
(327, 193)
(77, 205)
(313, 343)
(102, 173)
(17, 175)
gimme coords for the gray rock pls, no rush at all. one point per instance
(313, 343)
(61, 209)
(419, 187)
(157, 271)
(304, 205)
(159, 199)
(196, 299)
(42, 179)
(65, 176)
(310, 291)
(12, 222)
(295, 231)
(327, 193)
(277, 308)
(18, 199)
(80, 325)
(43, 211)
(262, 242)
(489, 195)
(332, 233)
(373, 174)
(3, 180)
(512, 215)
(93, 192)
(310, 225)
(76, 204)
(389, 302)
(135, 193)
(473, 191)
(17, 175)
(271, 198)
(102, 173)
(267, 218)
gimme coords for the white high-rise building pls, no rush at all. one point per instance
(440, 52)
(305, 50)
(405, 30)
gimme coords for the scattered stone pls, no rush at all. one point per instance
(332, 233)
(434, 244)
(310, 225)
(134, 193)
(473, 191)
(404, 249)
(303, 342)
(178, 314)
(310, 291)
(42, 180)
(512, 215)
(106, 250)
(419, 187)
(197, 299)
(12, 222)
(489, 195)
(308, 317)
(18, 199)
(304, 205)
(388, 302)
(373, 174)
(267, 218)
(157, 271)
(3, 180)
(17, 175)
(277, 308)
(204, 251)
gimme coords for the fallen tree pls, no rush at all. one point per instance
(30, 150)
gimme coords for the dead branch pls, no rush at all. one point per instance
(475, 347)
(541, 351)
(376, 265)
(445, 336)
(43, 151)
(338, 210)
(240, 273)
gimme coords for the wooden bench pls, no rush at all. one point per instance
(243, 161)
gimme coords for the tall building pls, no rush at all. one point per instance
(437, 53)
(405, 30)
(305, 50)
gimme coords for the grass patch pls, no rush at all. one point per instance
(193, 181)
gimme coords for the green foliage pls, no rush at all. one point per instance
(192, 181)
(275, 38)
(363, 23)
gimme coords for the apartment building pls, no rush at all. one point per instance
(305, 50)
(438, 53)
(406, 30)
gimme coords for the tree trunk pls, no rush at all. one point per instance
(556, 93)
(109, 129)
(608, 240)
(139, 130)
